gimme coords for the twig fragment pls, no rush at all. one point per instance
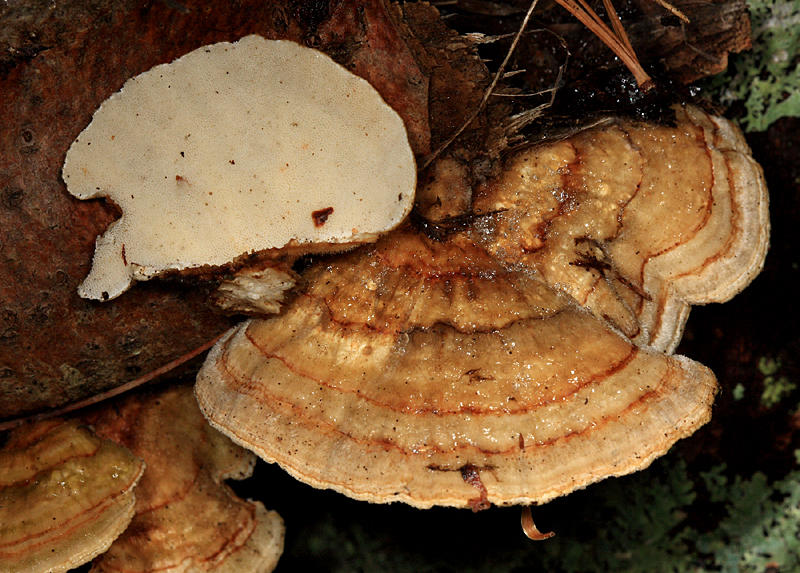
(487, 94)
(673, 10)
(529, 528)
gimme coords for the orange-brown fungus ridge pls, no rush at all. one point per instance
(185, 519)
(530, 353)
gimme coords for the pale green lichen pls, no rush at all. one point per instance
(761, 525)
(767, 78)
(768, 366)
(646, 524)
(756, 524)
(775, 387)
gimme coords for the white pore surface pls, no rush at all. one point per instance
(229, 150)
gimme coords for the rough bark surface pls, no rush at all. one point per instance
(697, 49)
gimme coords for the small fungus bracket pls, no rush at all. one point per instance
(224, 153)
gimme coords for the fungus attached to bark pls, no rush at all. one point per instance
(505, 363)
(238, 148)
(65, 495)
(186, 518)
(445, 362)
(636, 222)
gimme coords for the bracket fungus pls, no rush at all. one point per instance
(636, 222)
(65, 495)
(239, 148)
(519, 359)
(186, 518)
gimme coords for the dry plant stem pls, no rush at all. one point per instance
(152, 375)
(487, 94)
(673, 10)
(618, 43)
(523, 118)
(529, 527)
(616, 24)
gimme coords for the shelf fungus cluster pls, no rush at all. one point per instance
(136, 486)
(522, 357)
(186, 518)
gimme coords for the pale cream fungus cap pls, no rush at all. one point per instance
(236, 148)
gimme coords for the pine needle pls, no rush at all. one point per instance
(616, 39)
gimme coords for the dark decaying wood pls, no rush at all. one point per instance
(666, 45)
(690, 51)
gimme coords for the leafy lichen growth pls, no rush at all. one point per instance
(755, 525)
(775, 387)
(766, 79)
(761, 525)
(646, 523)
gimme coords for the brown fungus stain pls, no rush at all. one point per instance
(471, 475)
(320, 216)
